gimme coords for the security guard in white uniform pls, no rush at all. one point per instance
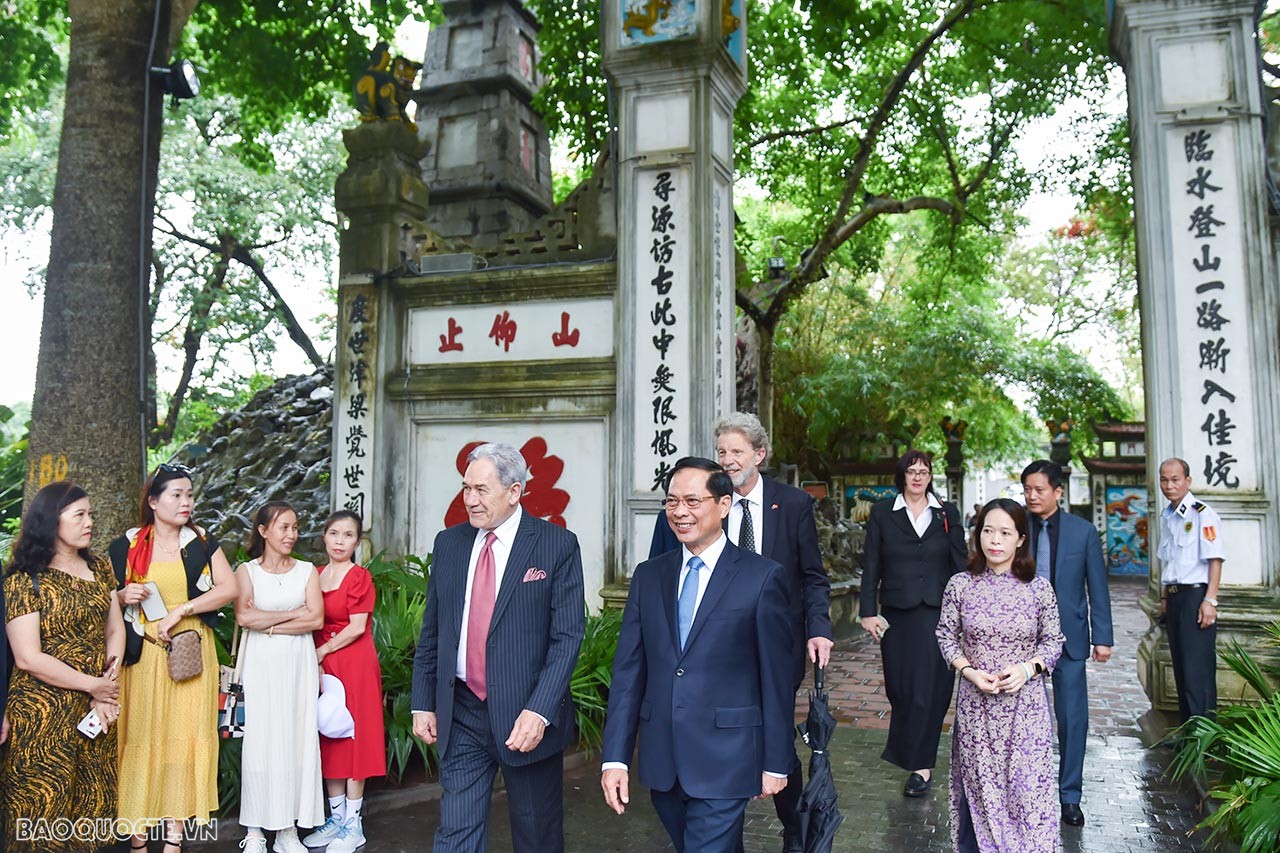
(1191, 555)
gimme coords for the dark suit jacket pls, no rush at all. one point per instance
(790, 539)
(906, 570)
(719, 713)
(1076, 559)
(534, 637)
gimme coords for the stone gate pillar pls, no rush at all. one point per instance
(383, 197)
(677, 77)
(1207, 287)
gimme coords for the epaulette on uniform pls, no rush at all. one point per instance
(1198, 506)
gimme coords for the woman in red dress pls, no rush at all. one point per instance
(344, 646)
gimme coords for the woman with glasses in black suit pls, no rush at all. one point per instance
(915, 543)
(167, 567)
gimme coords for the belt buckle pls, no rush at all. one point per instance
(1172, 588)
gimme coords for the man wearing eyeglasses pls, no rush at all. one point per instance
(702, 674)
(776, 520)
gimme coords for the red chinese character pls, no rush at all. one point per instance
(451, 343)
(503, 331)
(564, 337)
(541, 497)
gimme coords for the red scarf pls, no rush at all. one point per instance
(139, 558)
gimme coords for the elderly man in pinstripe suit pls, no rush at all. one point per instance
(500, 638)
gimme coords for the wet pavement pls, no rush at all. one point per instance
(1129, 804)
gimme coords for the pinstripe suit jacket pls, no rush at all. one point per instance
(534, 636)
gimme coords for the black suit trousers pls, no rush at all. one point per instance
(535, 792)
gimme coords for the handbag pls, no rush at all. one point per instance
(231, 692)
(184, 654)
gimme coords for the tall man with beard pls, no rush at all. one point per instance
(775, 520)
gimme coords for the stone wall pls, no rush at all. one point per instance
(276, 447)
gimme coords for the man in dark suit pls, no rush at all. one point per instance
(775, 520)
(1070, 557)
(701, 674)
(500, 638)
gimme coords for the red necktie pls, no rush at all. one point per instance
(483, 594)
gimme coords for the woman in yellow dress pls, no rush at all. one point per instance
(59, 786)
(168, 730)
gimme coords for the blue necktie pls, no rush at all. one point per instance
(688, 598)
(1043, 560)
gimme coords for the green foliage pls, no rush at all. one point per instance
(397, 622)
(1242, 749)
(573, 101)
(593, 673)
(861, 362)
(287, 60)
(14, 429)
(33, 33)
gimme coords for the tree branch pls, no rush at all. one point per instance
(802, 132)
(296, 332)
(828, 242)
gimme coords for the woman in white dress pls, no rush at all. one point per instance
(278, 607)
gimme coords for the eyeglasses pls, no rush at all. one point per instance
(691, 502)
(917, 474)
(181, 470)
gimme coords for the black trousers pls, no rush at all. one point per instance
(535, 792)
(918, 684)
(1194, 653)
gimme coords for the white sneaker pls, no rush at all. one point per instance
(324, 833)
(287, 842)
(254, 844)
(350, 837)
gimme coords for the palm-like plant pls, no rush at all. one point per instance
(593, 673)
(1244, 744)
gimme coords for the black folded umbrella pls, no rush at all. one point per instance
(819, 815)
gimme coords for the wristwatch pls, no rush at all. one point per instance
(1212, 601)
(1039, 668)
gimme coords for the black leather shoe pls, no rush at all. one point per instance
(917, 786)
(792, 843)
(1071, 814)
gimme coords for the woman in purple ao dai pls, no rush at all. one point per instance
(999, 628)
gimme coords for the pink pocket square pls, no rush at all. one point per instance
(534, 574)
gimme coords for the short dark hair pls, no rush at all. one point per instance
(38, 536)
(1024, 568)
(1052, 471)
(265, 517)
(908, 459)
(718, 482)
(1186, 469)
(344, 515)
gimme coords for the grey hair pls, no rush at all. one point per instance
(510, 464)
(750, 427)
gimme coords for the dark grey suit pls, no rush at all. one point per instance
(534, 637)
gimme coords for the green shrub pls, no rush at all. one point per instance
(591, 677)
(1242, 750)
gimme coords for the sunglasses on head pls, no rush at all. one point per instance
(168, 468)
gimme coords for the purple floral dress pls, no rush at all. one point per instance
(1002, 770)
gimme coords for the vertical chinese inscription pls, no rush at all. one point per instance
(664, 253)
(354, 401)
(1208, 219)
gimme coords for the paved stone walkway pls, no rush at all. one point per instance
(1128, 803)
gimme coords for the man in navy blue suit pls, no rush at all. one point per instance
(776, 520)
(1068, 553)
(702, 674)
(500, 638)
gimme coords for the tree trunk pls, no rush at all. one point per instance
(87, 412)
(764, 335)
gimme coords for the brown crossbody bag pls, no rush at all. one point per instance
(184, 650)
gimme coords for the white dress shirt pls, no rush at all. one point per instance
(1191, 536)
(922, 521)
(506, 536)
(755, 503)
(710, 556)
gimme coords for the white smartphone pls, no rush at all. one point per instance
(153, 604)
(884, 625)
(90, 725)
